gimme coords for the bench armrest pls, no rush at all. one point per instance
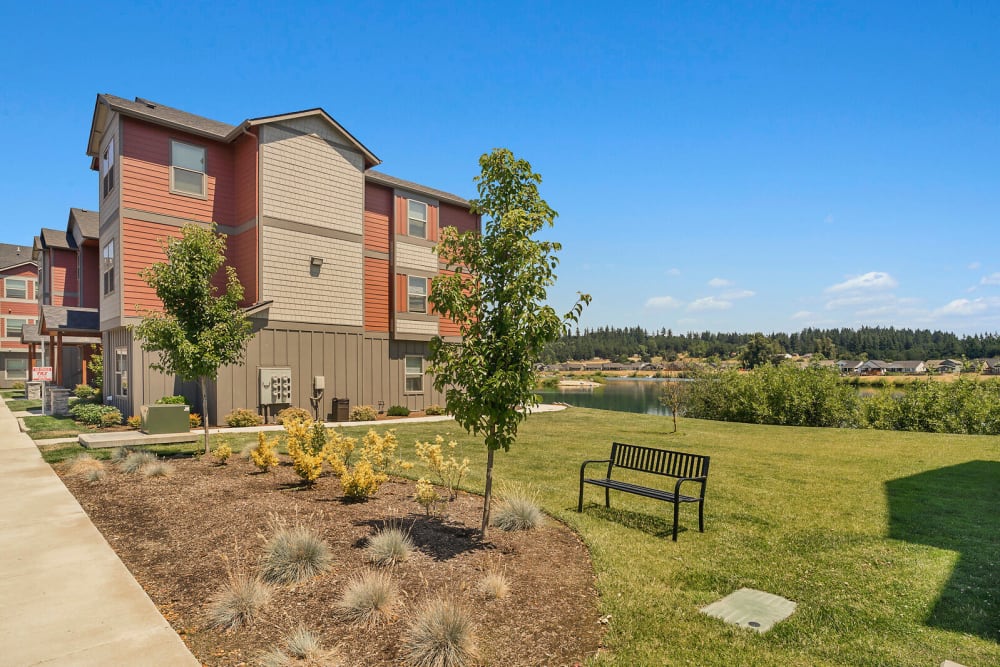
(586, 463)
(702, 480)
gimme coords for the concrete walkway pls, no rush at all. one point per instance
(65, 597)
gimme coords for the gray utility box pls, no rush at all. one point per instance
(158, 419)
(275, 386)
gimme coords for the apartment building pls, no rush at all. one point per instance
(335, 258)
(19, 277)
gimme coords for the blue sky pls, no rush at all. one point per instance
(738, 167)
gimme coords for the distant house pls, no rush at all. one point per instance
(873, 367)
(906, 367)
(18, 294)
(849, 365)
(945, 365)
(991, 366)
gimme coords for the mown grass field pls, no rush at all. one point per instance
(887, 541)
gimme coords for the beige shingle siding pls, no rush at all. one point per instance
(422, 327)
(308, 180)
(409, 256)
(334, 296)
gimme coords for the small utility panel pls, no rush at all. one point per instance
(275, 386)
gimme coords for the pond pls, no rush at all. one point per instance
(621, 395)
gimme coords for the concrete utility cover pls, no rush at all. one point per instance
(751, 609)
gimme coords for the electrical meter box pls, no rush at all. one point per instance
(275, 386)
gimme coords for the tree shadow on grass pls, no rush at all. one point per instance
(956, 508)
(439, 539)
(656, 526)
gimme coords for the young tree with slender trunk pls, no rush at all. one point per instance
(673, 394)
(496, 297)
(201, 328)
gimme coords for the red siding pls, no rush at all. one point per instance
(241, 253)
(445, 326)
(64, 278)
(146, 175)
(401, 219)
(456, 216)
(27, 310)
(141, 248)
(89, 256)
(245, 178)
(400, 292)
(378, 211)
(377, 301)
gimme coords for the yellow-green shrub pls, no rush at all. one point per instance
(427, 496)
(263, 455)
(222, 453)
(194, 419)
(376, 460)
(308, 446)
(292, 414)
(449, 471)
(134, 421)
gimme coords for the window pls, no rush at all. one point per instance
(187, 169)
(416, 294)
(416, 215)
(14, 327)
(16, 369)
(121, 371)
(108, 267)
(108, 169)
(414, 374)
(15, 288)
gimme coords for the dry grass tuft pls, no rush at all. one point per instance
(303, 644)
(239, 602)
(293, 554)
(389, 546)
(83, 464)
(518, 509)
(96, 475)
(158, 469)
(369, 598)
(135, 461)
(441, 635)
(494, 585)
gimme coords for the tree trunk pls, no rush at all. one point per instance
(204, 412)
(674, 411)
(487, 499)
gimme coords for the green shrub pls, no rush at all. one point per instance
(110, 416)
(441, 635)
(17, 385)
(135, 421)
(172, 400)
(243, 417)
(363, 413)
(433, 410)
(294, 554)
(389, 546)
(239, 603)
(94, 414)
(84, 392)
(290, 414)
(368, 598)
(398, 411)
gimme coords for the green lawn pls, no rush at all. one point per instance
(41, 427)
(887, 541)
(20, 404)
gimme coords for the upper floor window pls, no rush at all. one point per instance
(416, 294)
(416, 219)
(108, 267)
(108, 169)
(15, 288)
(187, 169)
(14, 327)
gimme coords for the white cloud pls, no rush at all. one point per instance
(710, 303)
(992, 279)
(966, 306)
(738, 294)
(802, 315)
(673, 271)
(719, 282)
(662, 302)
(868, 281)
(974, 266)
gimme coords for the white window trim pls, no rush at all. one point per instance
(407, 375)
(204, 174)
(108, 286)
(410, 219)
(6, 368)
(410, 294)
(15, 298)
(108, 161)
(119, 373)
(6, 325)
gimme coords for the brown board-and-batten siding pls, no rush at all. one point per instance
(145, 385)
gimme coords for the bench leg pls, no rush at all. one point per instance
(579, 507)
(701, 516)
(607, 497)
(677, 508)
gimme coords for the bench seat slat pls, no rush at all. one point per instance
(641, 490)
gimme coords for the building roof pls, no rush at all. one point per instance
(89, 222)
(905, 364)
(14, 255)
(849, 363)
(70, 320)
(55, 238)
(393, 182)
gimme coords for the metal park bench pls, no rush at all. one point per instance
(677, 465)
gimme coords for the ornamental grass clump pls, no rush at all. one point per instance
(95, 475)
(440, 635)
(517, 510)
(389, 546)
(84, 463)
(158, 468)
(135, 461)
(293, 554)
(239, 602)
(369, 599)
(493, 586)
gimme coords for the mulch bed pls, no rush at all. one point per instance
(179, 536)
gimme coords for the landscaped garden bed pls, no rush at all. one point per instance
(182, 535)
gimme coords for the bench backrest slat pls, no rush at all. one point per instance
(657, 461)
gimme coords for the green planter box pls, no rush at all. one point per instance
(166, 418)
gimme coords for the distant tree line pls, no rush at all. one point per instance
(885, 343)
